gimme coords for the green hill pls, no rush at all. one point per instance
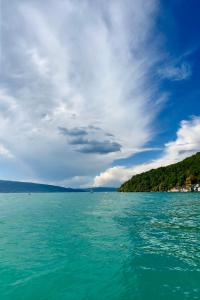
(182, 175)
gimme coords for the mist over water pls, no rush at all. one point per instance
(86, 246)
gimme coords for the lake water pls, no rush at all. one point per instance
(92, 246)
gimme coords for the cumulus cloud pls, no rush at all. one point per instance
(187, 143)
(83, 67)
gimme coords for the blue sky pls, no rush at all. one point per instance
(92, 92)
(179, 24)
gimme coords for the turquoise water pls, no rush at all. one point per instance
(83, 246)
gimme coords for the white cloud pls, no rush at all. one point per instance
(39, 62)
(5, 152)
(176, 72)
(186, 144)
(74, 64)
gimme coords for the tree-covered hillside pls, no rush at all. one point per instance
(179, 175)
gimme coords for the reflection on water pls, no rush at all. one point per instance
(164, 233)
(100, 246)
(172, 229)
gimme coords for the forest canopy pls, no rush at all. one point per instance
(180, 175)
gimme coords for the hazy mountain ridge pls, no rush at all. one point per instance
(7, 186)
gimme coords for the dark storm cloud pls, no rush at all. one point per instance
(109, 134)
(97, 147)
(79, 140)
(94, 127)
(78, 135)
(76, 131)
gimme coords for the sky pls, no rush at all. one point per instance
(93, 92)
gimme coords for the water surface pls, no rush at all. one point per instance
(83, 246)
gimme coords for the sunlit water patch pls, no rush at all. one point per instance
(92, 246)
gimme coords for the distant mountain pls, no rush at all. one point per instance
(28, 187)
(7, 186)
(182, 176)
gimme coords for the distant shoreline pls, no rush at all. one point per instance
(7, 186)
